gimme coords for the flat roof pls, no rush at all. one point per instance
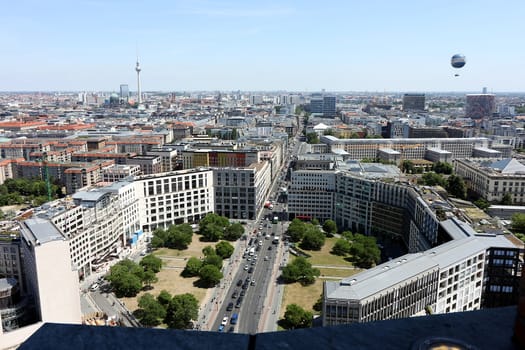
(42, 231)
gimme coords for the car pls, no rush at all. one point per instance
(266, 258)
(224, 321)
(260, 243)
(244, 286)
(239, 302)
(94, 287)
(243, 293)
(254, 262)
(231, 329)
(239, 283)
(235, 294)
(270, 248)
(252, 282)
(258, 248)
(229, 307)
(250, 270)
(234, 318)
(221, 328)
(246, 267)
(249, 258)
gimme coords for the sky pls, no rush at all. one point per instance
(252, 45)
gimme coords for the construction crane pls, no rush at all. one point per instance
(46, 174)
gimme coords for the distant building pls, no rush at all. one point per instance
(329, 110)
(149, 164)
(413, 102)
(124, 92)
(480, 106)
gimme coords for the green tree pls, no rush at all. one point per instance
(208, 250)
(506, 199)
(442, 168)
(433, 179)
(313, 239)
(210, 275)
(482, 204)
(233, 232)
(318, 306)
(160, 236)
(364, 250)
(518, 223)
(149, 278)
(456, 186)
(341, 247)
(407, 166)
(214, 260)
(330, 226)
(299, 270)
(181, 311)
(179, 237)
(224, 249)
(312, 138)
(211, 232)
(296, 317)
(151, 312)
(296, 230)
(151, 262)
(126, 278)
(314, 222)
(164, 298)
(192, 267)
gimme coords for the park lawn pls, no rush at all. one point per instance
(173, 262)
(304, 296)
(343, 273)
(323, 256)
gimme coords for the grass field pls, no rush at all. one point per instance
(337, 272)
(323, 257)
(173, 262)
(304, 296)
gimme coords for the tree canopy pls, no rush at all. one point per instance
(432, 179)
(151, 312)
(518, 223)
(193, 265)
(224, 249)
(296, 317)
(330, 226)
(300, 270)
(214, 227)
(210, 275)
(364, 250)
(233, 232)
(151, 262)
(175, 237)
(456, 186)
(313, 238)
(181, 310)
(126, 278)
(443, 168)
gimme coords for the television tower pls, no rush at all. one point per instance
(137, 69)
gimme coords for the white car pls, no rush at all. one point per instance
(246, 267)
(224, 321)
(94, 287)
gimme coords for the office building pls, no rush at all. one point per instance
(456, 276)
(124, 92)
(329, 109)
(413, 102)
(480, 106)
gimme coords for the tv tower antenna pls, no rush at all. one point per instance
(138, 69)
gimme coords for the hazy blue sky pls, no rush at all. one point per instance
(305, 45)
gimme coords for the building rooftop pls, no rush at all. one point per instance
(482, 329)
(41, 231)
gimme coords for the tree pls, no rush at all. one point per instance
(433, 179)
(233, 232)
(224, 249)
(407, 167)
(151, 312)
(341, 247)
(318, 306)
(364, 250)
(151, 262)
(506, 199)
(149, 278)
(179, 237)
(210, 275)
(160, 236)
(208, 250)
(164, 298)
(313, 239)
(456, 186)
(126, 278)
(482, 204)
(518, 222)
(296, 230)
(192, 267)
(214, 260)
(300, 270)
(181, 311)
(330, 226)
(211, 232)
(312, 138)
(314, 222)
(442, 168)
(296, 317)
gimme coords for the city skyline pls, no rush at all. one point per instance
(286, 45)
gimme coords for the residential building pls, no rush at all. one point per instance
(119, 172)
(480, 106)
(149, 164)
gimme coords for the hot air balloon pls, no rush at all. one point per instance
(458, 61)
